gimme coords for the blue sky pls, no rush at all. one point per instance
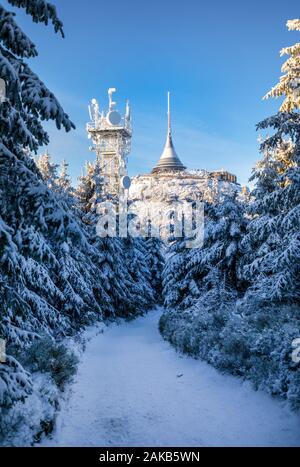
(218, 58)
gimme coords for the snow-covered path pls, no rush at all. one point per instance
(133, 389)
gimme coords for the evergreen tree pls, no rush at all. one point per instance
(47, 169)
(47, 275)
(250, 335)
(64, 188)
(123, 270)
(223, 248)
(186, 269)
(63, 180)
(289, 84)
(175, 286)
(85, 190)
(273, 240)
(138, 267)
(155, 259)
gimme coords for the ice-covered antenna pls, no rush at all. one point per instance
(128, 112)
(111, 103)
(94, 111)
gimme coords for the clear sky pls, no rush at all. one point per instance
(218, 58)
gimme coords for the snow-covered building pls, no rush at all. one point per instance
(171, 181)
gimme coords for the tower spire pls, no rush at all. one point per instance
(169, 116)
(169, 161)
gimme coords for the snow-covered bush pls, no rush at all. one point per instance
(47, 356)
(255, 343)
(15, 383)
(29, 420)
(15, 386)
(196, 330)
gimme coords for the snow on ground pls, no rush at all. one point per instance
(133, 389)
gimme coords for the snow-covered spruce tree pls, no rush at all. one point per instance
(77, 279)
(175, 285)
(63, 186)
(201, 285)
(226, 225)
(186, 269)
(274, 233)
(47, 279)
(85, 190)
(254, 339)
(271, 306)
(57, 179)
(176, 290)
(63, 180)
(47, 169)
(155, 259)
(266, 239)
(106, 253)
(289, 83)
(123, 268)
(138, 267)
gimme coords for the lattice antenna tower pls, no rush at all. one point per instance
(111, 137)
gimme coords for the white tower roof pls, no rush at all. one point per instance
(169, 159)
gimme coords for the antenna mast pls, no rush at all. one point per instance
(169, 115)
(110, 133)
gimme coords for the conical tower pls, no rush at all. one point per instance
(169, 161)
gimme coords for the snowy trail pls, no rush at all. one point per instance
(133, 389)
